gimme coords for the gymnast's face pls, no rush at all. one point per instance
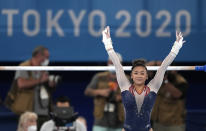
(139, 75)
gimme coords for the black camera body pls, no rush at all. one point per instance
(63, 116)
(112, 97)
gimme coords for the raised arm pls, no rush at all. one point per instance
(122, 80)
(156, 82)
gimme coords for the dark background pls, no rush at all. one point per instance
(74, 84)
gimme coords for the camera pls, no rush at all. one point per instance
(55, 78)
(64, 118)
(113, 88)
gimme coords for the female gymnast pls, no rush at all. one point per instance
(138, 98)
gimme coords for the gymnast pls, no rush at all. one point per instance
(138, 98)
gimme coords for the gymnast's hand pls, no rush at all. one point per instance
(178, 43)
(106, 39)
(179, 38)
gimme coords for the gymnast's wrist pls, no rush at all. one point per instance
(108, 47)
(176, 47)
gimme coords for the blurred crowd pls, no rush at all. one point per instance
(30, 97)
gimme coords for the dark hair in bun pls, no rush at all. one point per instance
(139, 62)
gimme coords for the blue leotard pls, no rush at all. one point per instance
(138, 107)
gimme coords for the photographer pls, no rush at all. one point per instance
(63, 118)
(169, 111)
(32, 90)
(108, 108)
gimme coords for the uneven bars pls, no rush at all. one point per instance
(95, 68)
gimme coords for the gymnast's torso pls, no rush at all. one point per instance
(137, 109)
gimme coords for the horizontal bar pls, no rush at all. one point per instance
(94, 68)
